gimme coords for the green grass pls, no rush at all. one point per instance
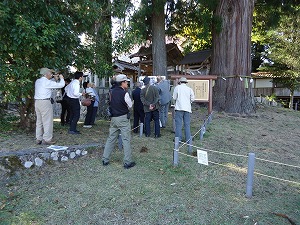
(82, 191)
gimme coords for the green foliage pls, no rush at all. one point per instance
(267, 16)
(36, 34)
(193, 27)
(283, 51)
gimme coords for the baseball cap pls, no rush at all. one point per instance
(44, 71)
(146, 80)
(183, 80)
(121, 77)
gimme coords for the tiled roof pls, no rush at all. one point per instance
(196, 57)
(174, 55)
(122, 65)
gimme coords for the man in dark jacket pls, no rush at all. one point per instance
(150, 99)
(120, 103)
(138, 108)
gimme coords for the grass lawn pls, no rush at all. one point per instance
(83, 191)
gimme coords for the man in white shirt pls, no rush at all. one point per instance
(183, 96)
(43, 105)
(73, 94)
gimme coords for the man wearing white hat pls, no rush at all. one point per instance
(120, 103)
(43, 105)
(183, 96)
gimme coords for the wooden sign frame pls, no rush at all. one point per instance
(202, 87)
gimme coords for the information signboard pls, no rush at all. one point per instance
(200, 88)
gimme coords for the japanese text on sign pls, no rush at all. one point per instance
(200, 88)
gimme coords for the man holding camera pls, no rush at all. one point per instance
(43, 104)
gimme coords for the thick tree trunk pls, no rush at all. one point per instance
(103, 51)
(159, 54)
(231, 58)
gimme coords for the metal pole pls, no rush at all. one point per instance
(250, 174)
(201, 132)
(176, 149)
(190, 143)
(141, 129)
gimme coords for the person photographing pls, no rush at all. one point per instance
(43, 104)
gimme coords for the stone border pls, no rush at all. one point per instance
(27, 158)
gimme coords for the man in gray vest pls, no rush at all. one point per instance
(120, 103)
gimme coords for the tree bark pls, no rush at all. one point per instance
(159, 54)
(231, 57)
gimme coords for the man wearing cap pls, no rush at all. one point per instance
(150, 99)
(73, 94)
(43, 105)
(183, 96)
(120, 103)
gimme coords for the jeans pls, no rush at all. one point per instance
(163, 114)
(186, 118)
(148, 117)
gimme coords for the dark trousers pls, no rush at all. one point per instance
(89, 114)
(138, 117)
(148, 117)
(74, 113)
(65, 112)
(94, 114)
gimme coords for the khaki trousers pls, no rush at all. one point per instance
(118, 125)
(44, 120)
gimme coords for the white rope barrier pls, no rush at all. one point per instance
(244, 156)
(225, 153)
(244, 170)
(284, 164)
(135, 127)
(276, 178)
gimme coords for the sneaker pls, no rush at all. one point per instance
(129, 165)
(38, 142)
(51, 142)
(105, 163)
(87, 126)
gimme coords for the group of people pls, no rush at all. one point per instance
(150, 103)
(153, 103)
(70, 104)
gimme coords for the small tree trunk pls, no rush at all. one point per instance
(159, 54)
(231, 57)
(291, 99)
(27, 115)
